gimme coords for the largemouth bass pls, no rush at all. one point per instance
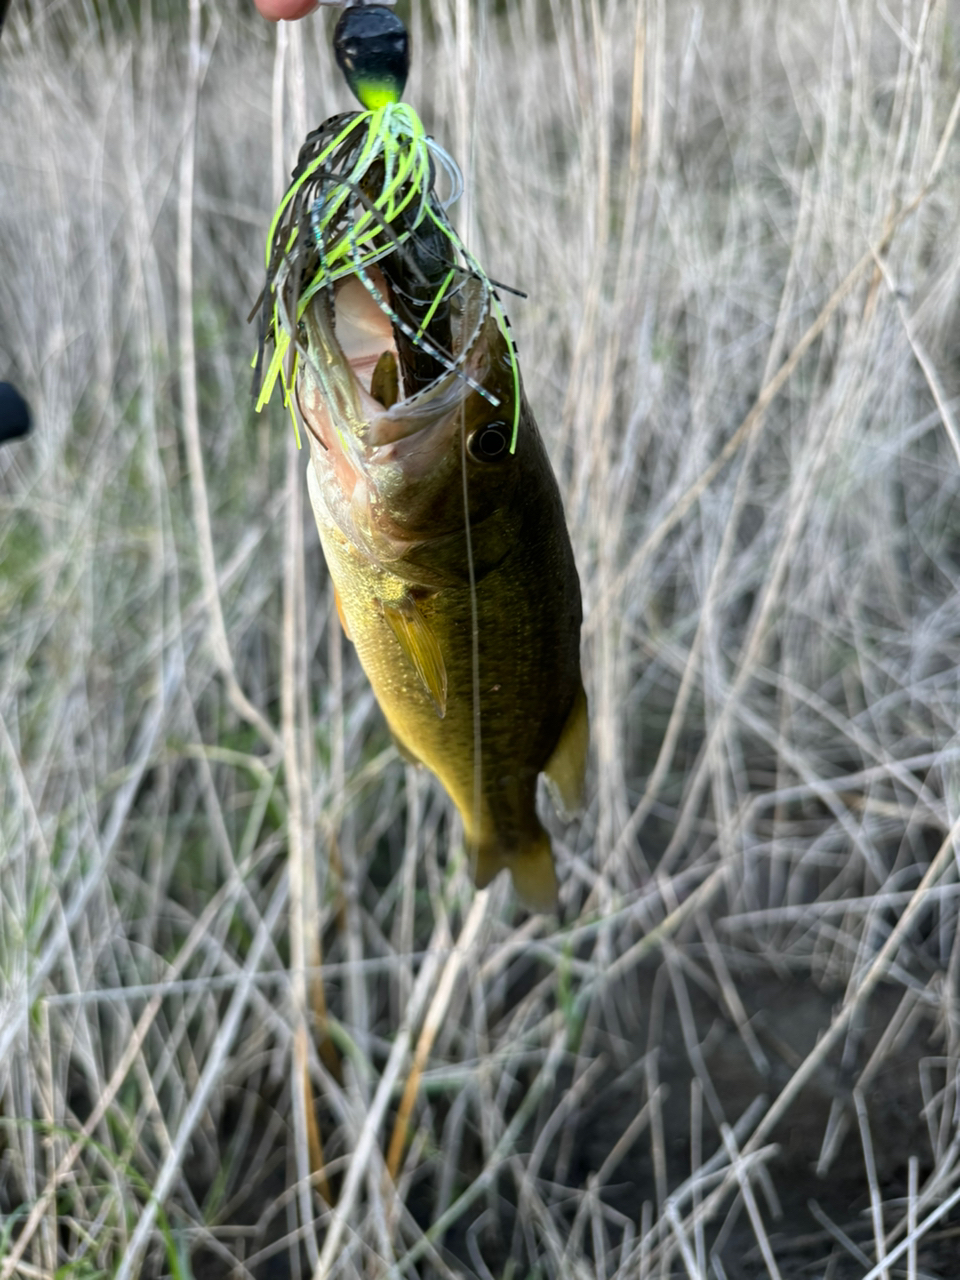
(444, 533)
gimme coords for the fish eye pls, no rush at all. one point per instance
(489, 442)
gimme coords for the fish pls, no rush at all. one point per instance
(443, 530)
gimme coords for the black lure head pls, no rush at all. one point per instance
(373, 52)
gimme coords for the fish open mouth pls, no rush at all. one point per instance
(370, 286)
(405, 354)
(367, 339)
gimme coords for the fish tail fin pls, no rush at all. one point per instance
(530, 866)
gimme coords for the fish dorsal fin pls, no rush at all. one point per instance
(420, 645)
(567, 768)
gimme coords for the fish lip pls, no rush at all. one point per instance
(431, 406)
(382, 428)
(389, 435)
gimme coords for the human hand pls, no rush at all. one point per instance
(275, 10)
(288, 10)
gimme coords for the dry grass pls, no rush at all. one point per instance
(738, 225)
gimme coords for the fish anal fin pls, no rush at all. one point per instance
(566, 769)
(531, 869)
(340, 613)
(421, 646)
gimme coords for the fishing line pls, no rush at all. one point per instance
(474, 612)
(474, 630)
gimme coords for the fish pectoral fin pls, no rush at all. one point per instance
(421, 646)
(566, 770)
(340, 614)
(531, 869)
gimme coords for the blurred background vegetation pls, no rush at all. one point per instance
(737, 226)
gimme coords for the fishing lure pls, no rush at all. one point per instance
(364, 193)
